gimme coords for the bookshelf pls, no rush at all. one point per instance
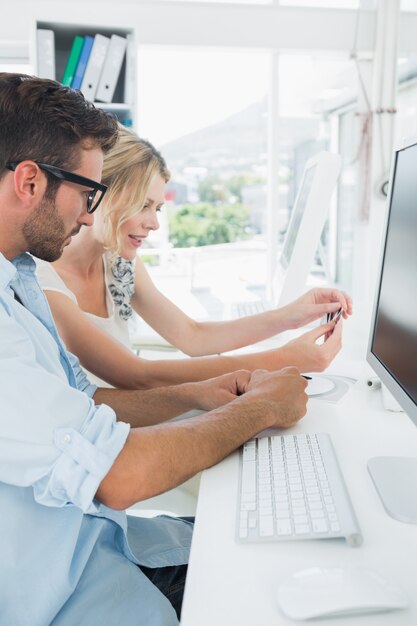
(123, 102)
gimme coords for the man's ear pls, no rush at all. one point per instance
(29, 183)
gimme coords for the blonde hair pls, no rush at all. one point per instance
(127, 171)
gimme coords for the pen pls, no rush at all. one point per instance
(333, 317)
(306, 377)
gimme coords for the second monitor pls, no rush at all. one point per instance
(308, 217)
(302, 238)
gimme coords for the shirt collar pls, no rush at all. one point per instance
(7, 272)
(9, 269)
(24, 262)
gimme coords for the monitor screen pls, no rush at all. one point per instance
(394, 334)
(297, 216)
(392, 344)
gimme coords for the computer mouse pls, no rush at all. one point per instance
(318, 385)
(335, 591)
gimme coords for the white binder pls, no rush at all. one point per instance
(111, 68)
(130, 74)
(45, 53)
(94, 67)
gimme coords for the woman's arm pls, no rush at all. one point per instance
(204, 338)
(111, 361)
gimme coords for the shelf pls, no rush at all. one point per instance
(123, 104)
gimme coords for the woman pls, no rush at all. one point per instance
(99, 280)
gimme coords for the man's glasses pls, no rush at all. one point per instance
(94, 197)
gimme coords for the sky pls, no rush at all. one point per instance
(180, 91)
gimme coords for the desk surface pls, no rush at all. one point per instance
(235, 585)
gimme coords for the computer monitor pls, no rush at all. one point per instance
(305, 227)
(302, 238)
(392, 348)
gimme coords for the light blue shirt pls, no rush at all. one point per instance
(65, 559)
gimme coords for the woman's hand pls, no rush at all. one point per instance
(215, 392)
(315, 304)
(307, 355)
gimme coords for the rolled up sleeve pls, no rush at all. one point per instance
(83, 384)
(53, 437)
(87, 456)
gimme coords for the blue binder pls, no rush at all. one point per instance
(82, 62)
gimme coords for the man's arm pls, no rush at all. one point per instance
(157, 458)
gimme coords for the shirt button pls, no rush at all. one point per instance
(67, 438)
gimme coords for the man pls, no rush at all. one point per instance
(72, 457)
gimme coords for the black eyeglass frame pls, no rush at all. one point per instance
(71, 178)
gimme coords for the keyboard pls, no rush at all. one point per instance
(291, 487)
(250, 307)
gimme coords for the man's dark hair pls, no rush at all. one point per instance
(44, 121)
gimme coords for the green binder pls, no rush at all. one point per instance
(73, 57)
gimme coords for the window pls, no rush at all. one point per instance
(206, 111)
(311, 87)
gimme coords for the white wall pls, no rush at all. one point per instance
(195, 23)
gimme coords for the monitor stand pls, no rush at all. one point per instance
(395, 479)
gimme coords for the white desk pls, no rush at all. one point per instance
(235, 585)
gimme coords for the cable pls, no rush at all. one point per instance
(364, 151)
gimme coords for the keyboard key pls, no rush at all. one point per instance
(248, 497)
(265, 510)
(302, 529)
(299, 510)
(280, 490)
(284, 527)
(266, 526)
(265, 499)
(248, 477)
(319, 525)
(249, 454)
(316, 506)
(248, 506)
(281, 498)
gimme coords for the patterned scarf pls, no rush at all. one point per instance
(123, 287)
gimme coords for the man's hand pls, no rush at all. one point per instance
(315, 304)
(283, 393)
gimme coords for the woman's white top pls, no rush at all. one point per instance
(115, 324)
